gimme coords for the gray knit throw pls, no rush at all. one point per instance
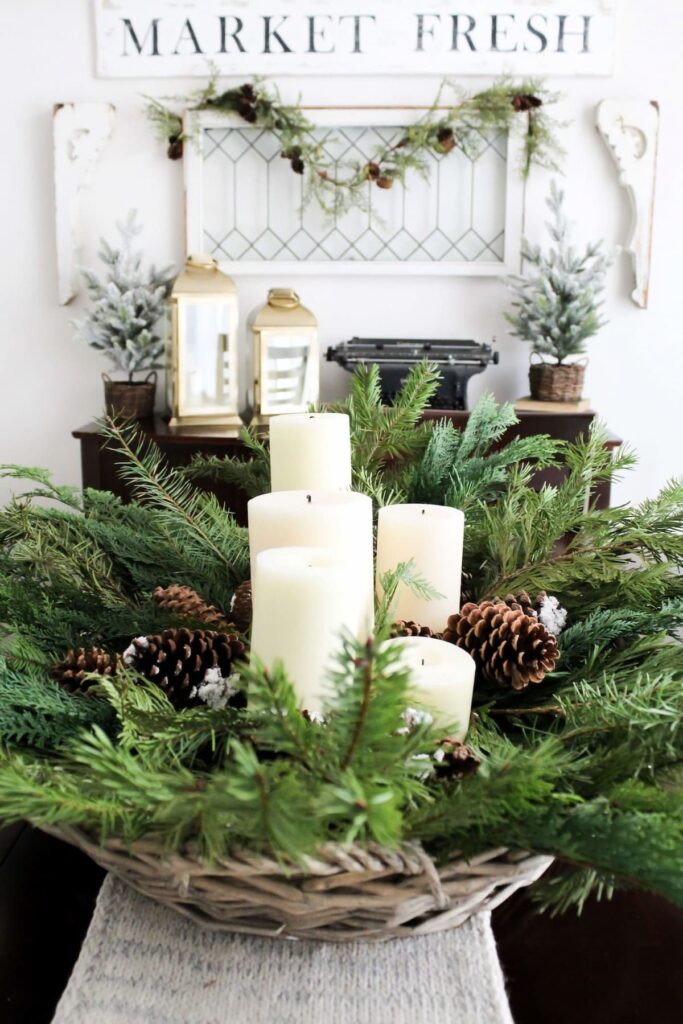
(143, 964)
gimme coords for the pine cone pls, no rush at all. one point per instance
(76, 664)
(177, 660)
(510, 647)
(446, 139)
(384, 181)
(406, 627)
(175, 147)
(454, 759)
(522, 601)
(187, 604)
(526, 101)
(240, 606)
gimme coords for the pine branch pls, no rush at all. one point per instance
(251, 475)
(195, 525)
(37, 713)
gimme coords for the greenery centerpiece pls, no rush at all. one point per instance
(128, 304)
(579, 759)
(556, 306)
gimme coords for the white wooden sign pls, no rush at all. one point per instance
(139, 38)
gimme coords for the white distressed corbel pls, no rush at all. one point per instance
(80, 131)
(631, 129)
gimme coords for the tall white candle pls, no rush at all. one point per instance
(339, 522)
(310, 450)
(432, 536)
(303, 599)
(443, 679)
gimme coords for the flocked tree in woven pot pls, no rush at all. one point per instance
(128, 305)
(557, 307)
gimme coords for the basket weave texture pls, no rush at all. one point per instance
(345, 893)
(133, 400)
(549, 382)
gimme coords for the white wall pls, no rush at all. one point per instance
(50, 384)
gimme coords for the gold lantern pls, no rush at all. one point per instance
(286, 357)
(204, 378)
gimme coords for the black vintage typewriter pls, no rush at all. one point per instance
(457, 360)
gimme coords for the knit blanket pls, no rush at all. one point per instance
(144, 964)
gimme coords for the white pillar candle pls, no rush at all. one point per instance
(432, 536)
(339, 522)
(310, 450)
(442, 679)
(304, 598)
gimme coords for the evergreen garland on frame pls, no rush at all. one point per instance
(460, 121)
(587, 767)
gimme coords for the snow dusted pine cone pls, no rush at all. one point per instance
(182, 661)
(511, 647)
(454, 759)
(191, 666)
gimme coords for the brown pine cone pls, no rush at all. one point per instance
(240, 606)
(406, 627)
(526, 102)
(373, 170)
(76, 664)
(454, 759)
(384, 181)
(510, 647)
(175, 147)
(520, 601)
(187, 604)
(177, 660)
(446, 139)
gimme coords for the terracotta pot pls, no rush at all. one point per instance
(553, 382)
(131, 400)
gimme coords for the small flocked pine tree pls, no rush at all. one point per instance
(128, 304)
(557, 308)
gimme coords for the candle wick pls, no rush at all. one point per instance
(308, 498)
(423, 661)
(423, 511)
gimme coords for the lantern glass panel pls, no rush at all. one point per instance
(205, 385)
(288, 369)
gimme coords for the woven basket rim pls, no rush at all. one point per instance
(408, 857)
(343, 893)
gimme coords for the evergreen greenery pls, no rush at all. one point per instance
(128, 304)
(587, 765)
(556, 308)
(455, 119)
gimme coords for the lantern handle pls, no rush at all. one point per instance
(201, 261)
(283, 298)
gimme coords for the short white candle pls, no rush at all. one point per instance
(432, 536)
(339, 522)
(310, 450)
(442, 678)
(303, 599)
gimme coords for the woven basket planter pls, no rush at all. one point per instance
(349, 893)
(550, 382)
(132, 400)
